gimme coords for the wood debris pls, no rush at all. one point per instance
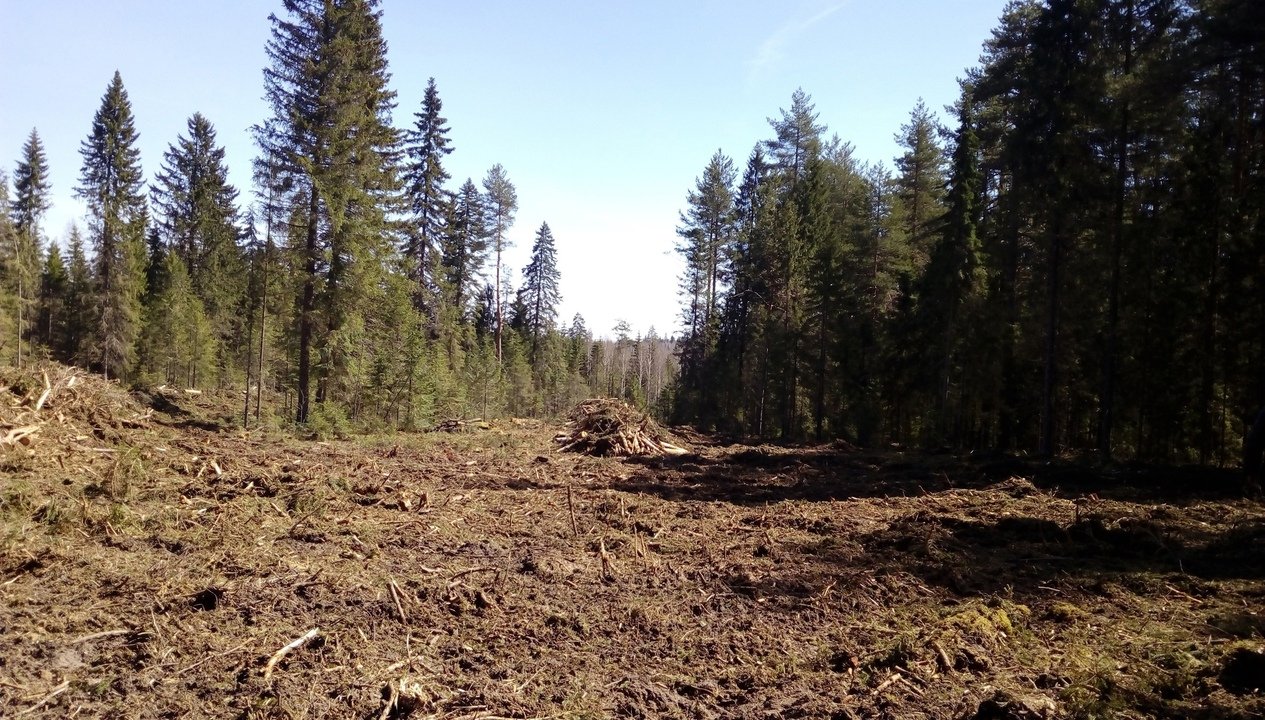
(454, 425)
(58, 400)
(605, 426)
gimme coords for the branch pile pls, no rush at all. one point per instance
(454, 425)
(65, 398)
(605, 426)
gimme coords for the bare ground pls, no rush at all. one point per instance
(155, 562)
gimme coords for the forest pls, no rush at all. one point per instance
(1076, 265)
(1073, 264)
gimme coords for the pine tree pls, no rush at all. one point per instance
(539, 294)
(8, 271)
(427, 145)
(798, 137)
(198, 218)
(111, 184)
(502, 203)
(920, 183)
(707, 229)
(707, 233)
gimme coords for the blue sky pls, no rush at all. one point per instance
(603, 113)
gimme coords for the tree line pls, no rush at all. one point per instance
(359, 287)
(1077, 264)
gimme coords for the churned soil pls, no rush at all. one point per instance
(157, 560)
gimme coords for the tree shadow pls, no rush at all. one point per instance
(1037, 520)
(747, 475)
(1021, 553)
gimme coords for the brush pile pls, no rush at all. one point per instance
(63, 400)
(605, 426)
(454, 425)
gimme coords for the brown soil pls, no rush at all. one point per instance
(154, 563)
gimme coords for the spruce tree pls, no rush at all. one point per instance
(79, 302)
(465, 246)
(427, 145)
(540, 295)
(54, 287)
(330, 155)
(111, 184)
(31, 190)
(197, 214)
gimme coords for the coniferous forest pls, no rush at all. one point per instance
(1075, 262)
(1070, 259)
(355, 285)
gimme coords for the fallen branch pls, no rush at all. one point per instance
(209, 658)
(20, 435)
(48, 390)
(395, 595)
(294, 644)
(895, 678)
(452, 581)
(575, 527)
(98, 636)
(47, 698)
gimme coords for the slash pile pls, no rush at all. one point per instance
(605, 426)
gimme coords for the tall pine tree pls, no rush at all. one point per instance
(502, 203)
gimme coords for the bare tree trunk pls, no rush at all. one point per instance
(1046, 447)
(263, 321)
(500, 317)
(306, 308)
(1107, 401)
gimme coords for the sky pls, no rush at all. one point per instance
(603, 112)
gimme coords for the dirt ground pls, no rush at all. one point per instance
(157, 562)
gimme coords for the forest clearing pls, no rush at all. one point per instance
(156, 562)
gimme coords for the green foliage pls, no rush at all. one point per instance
(540, 295)
(1087, 278)
(111, 183)
(465, 248)
(178, 345)
(329, 156)
(501, 204)
(197, 216)
(431, 203)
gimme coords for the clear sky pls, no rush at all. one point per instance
(603, 112)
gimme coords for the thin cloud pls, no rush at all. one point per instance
(771, 50)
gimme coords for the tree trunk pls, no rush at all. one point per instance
(307, 306)
(1046, 447)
